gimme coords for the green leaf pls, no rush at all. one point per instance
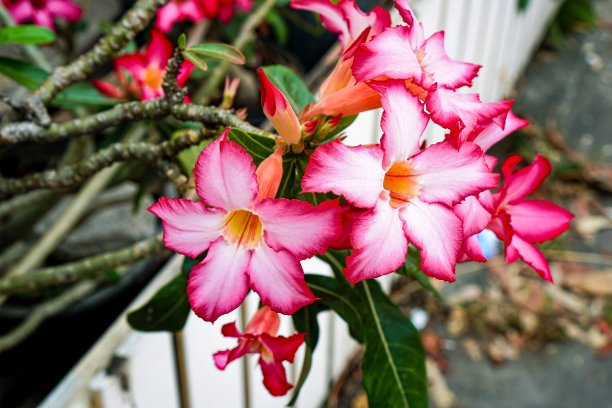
(258, 146)
(412, 268)
(167, 310)
(290, 85)
(342, 298)
(31, 76)
(290, 184)
(182, 40)
(26, 34)
(345, 122)
(219, 51)
(197, 61)
(393, 368)
(189, 263)
(521, 5)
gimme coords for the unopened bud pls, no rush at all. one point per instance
(269, 174)
(229, 92)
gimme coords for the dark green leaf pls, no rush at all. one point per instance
(393, 368)
(167, 310)
(26, 34)
(290, 85)
(342, 298)
(412, 268)
(189, 263)
(258, 146)
(219, 51)
(521, 5)
(31, 76)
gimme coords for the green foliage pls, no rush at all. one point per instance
(571, 13)
(167, 310)
(412, 269)
(26, 34)
(31, 76)
(290, 85)
(258, 146)
(521, 5)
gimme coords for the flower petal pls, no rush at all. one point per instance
(387, 54)
(21, 10)
(331, 16)
(448, 175)
(230, 330)
(350, 100)
(443, 70)
(537, 220)
(416, 29)
(456, 111)
(158, 51)
(133, 63)
(278, 278)
(531, 256)
(379, 241)
(403, 121)
(437, 231)
(471, 247)
(490, 133)
(264, 321)
(274, 377)
(167, 16)
(298, 226)
(474, 216)
(220, 283)
(189, 228)
(225, 176)
(523, 182)
(65, 9)
(283, 348)
(355, 172)
(223, 358)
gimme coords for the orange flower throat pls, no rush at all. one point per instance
(242, 228)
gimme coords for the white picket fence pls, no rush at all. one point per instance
(487, 32)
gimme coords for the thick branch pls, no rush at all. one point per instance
(70, 175)
(120, 114)
(134, 21)
(85, 268)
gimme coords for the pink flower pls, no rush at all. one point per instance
(251, 242)
(198, 10)
(340, 93)
(147, 71)
(408, 192)
(520, 223)
(42, 12)
(259, 337)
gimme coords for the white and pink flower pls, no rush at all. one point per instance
(409, 192)
(252, 241)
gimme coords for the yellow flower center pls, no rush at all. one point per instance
(153, 77)
(242, 227)
(401, 181)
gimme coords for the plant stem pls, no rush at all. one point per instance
(247, 33)
(70, 175)
(134, 21)
(70, 272)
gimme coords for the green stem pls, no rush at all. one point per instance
(133, 22)
(70, 272)
(247, 33)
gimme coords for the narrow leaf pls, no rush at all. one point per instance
(197, 61)
(219, 51)
(26, 34)
(290, 85)
(167, 310)
(393, 368)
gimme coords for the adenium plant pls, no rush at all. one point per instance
(255, 204)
